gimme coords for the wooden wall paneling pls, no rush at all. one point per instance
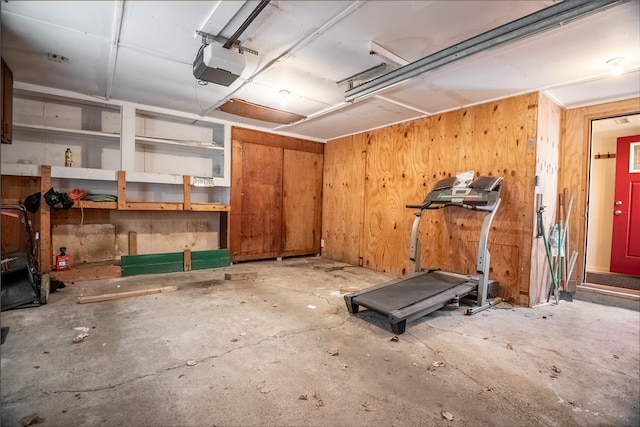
(343, 198)
(14, 190)
(274, 140)
(386, 220)
(264, 167)
(574, 166)
(80, 216)
(256, 231)
(404, 161)
(85, 243)
(301, 202)
(546, 171)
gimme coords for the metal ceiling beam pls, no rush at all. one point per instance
(113, 48)
(543, 20)
(243, 27)
(314, 34)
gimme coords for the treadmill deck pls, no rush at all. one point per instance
(411, 298)
(406, 292)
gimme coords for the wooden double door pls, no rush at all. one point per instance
(276, 196)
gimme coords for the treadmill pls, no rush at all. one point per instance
(424, 292)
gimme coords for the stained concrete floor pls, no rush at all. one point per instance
(283, 350)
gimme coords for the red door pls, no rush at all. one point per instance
(625, 242)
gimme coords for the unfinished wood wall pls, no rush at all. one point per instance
(343, 198)
(276, 195)
(574, 165)
(14, 190)
(403, 162)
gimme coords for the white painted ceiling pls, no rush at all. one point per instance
(142, 51)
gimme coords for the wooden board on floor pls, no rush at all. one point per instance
(246, 275)
(125, 294)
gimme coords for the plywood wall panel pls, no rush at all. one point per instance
(302, 204)
(343, 198)
(574, 165)
(265, 223)
(259, 223)
(404, 161)
(14, 190)
(386, 183)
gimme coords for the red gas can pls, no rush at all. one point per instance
(63, 262)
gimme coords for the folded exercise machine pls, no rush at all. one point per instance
(424, 292)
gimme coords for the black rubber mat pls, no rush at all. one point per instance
(405, 293)
(628, 282)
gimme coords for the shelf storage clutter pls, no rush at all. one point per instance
(165, 175)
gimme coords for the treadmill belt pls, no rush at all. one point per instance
(405, 293)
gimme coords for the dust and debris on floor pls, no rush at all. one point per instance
(280, 348)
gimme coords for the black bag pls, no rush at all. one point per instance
(32, 202)
(58, 200)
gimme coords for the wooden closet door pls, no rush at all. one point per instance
(302, 202)
(256, 202)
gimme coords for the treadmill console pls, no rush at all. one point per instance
(480, 194)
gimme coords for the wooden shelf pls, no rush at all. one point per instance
(152, 206)
(86, 204)
(146, 140)
(205, 207)
(65, 131)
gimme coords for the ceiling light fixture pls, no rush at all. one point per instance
(284, 97)
(56, 57)
(616, 65)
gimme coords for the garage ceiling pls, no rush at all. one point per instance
(142, 51)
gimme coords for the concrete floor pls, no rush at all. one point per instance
(283, 350)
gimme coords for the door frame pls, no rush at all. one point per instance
(594, 210)
(574, 167)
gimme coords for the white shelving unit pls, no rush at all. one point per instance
(152, 145)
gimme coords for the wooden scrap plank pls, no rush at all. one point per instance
(133, 243)
(245, 275)
(187, 260)
(125, 294)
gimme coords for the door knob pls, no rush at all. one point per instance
(617, 212)
(618, 202)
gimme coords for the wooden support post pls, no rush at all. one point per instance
(186, 192)
(187, 259)
(122, 190)
(46, 258)
(133, 243)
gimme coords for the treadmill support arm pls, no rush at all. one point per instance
(484, 257)
(414, 249)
